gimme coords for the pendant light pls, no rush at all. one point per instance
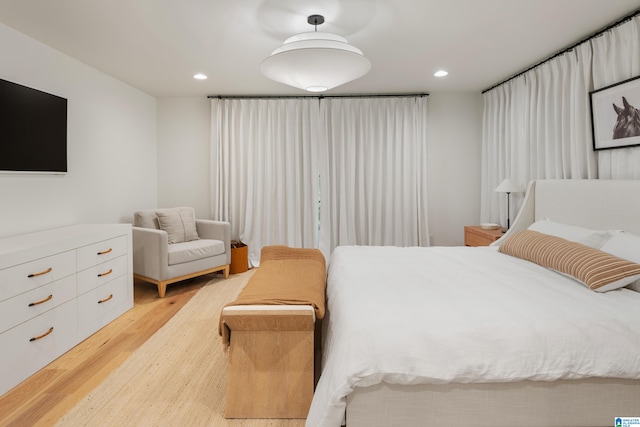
(315, 61)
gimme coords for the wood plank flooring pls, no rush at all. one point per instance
(45, 397)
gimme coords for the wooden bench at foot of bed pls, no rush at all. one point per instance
(270, 372)
(270, 333)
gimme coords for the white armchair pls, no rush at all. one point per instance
(170, 245)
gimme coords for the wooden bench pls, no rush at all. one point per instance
(270, 330)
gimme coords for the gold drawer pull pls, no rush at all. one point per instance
(40, 302)
(107, 273)
(48, 270)
(105, 252)
(106, 299)
(42, 336)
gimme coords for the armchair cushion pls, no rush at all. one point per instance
(194, 250)
(146, 219)
(179, 223)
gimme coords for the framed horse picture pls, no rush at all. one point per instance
(615, 115)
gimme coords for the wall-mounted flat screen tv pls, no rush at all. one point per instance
(33, 130)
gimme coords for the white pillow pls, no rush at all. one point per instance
(623, 245)
(626, 246)
(178, 223)
(573, 233)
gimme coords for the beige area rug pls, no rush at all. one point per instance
(176, 378)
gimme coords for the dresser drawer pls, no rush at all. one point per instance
(99, 306)
(97, 253)
(96, 276)
(24, 277)
(34, 344)
(23, 307)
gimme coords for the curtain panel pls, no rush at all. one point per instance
(265, 173)
(373, 172)
(538, 125)
(308, 172)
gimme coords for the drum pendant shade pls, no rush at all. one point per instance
(315, 61)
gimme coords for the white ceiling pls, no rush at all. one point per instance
(158, 45)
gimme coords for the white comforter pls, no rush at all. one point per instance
(457, 314)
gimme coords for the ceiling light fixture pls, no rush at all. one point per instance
(315, 61)
(440, 73)
(200, 76)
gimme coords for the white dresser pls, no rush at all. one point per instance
(57, 287)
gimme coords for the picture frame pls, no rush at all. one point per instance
(615, 115)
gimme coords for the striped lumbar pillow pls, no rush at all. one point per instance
(597, 270)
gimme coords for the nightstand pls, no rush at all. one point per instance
(474, 235)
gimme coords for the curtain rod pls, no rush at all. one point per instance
(399, 95)
(570, 48)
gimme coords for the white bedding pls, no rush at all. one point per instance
(460, 314)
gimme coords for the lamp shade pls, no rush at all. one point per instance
(507, 186)
(315, 62)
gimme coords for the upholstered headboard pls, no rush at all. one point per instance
(592, 203)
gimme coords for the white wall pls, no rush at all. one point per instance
(184, 127)
(111, 144)
(455, 150)
(454, 138)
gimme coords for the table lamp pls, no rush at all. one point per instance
(507, 186)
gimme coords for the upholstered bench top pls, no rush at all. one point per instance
(286, 276)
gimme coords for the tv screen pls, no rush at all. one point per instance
(33, 130)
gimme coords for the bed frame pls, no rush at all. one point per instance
(593, 402)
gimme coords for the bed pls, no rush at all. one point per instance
(477, 337)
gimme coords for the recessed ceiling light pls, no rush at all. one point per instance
(440, 73)
(200, 76)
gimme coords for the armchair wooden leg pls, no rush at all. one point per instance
(226, 271)
(162, 289)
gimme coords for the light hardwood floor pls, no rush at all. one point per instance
(45, 397)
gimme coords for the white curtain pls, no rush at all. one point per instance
(373, 172)
(351, 170)
(265, 176)
(503, 122)
(538, 125)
